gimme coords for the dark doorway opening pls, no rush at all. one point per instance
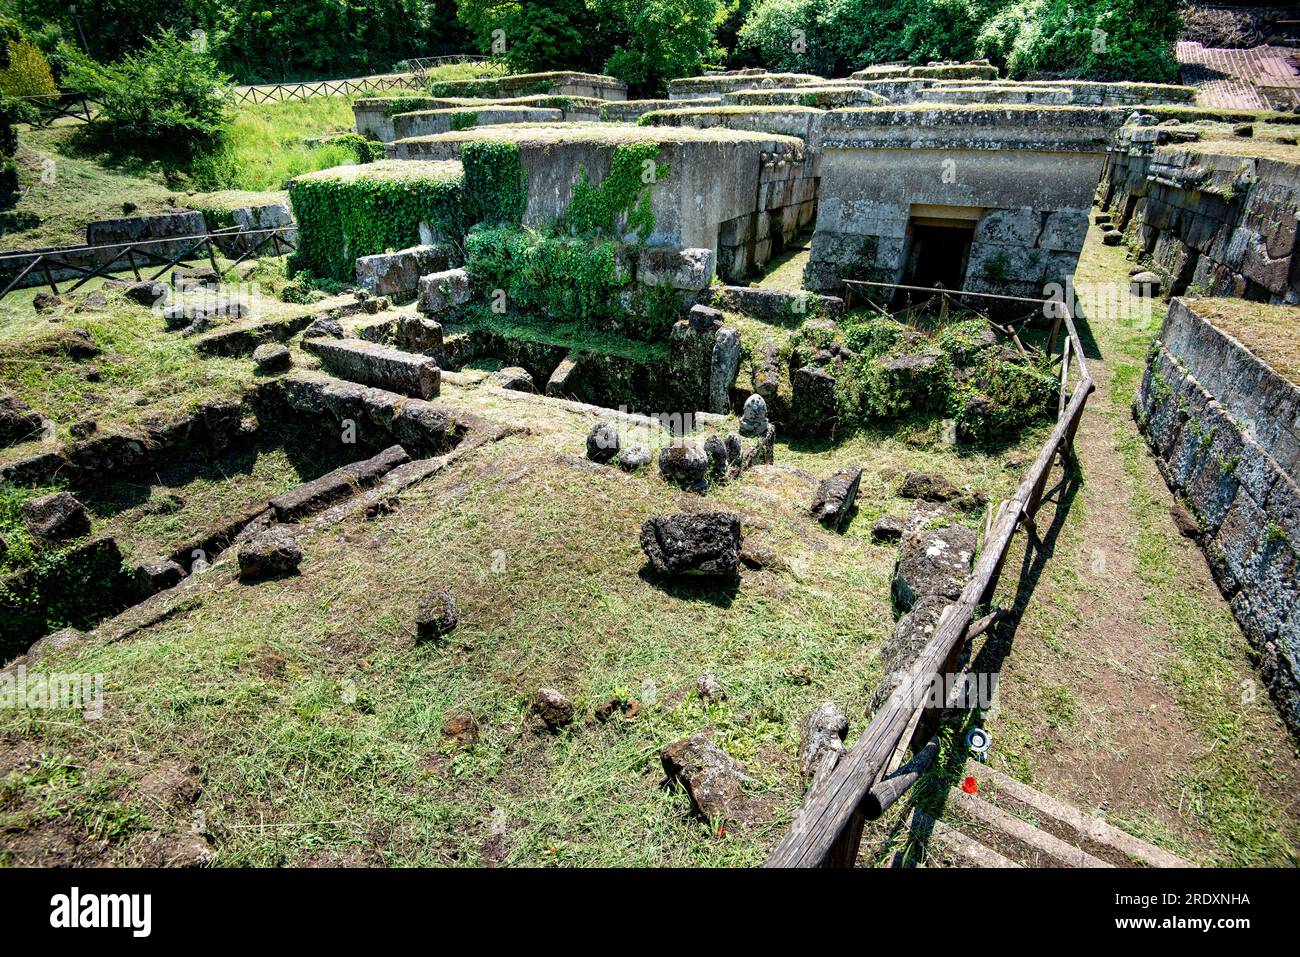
(937, 255)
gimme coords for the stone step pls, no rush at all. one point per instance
(379, 366)
(314, 495)
(1085, 827)
(947, 846)
(1043, 848)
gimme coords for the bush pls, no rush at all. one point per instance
(364, 150)
(169, 98)
(28, 72)
(362, 210)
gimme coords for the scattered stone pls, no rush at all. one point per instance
(928, 486)
(716, 450)
(813, 401)
(441, 291)
(128, 208)
(43, 302)
(83, 429)
(197, 317)
(835, 497)
(757, 557)
(767, 374)
(933, 561)
(61, 640)
(612, 706)
(686, 269)
(463, 729)
(911, 633)
(553, 708)
(147, 293)
(888, 528)
(56, 518)
(91, 374)
(753, 419)
(633, 457)
(1243, 129)
(723, 368)
(273, 552)
(1112, 237)
(272, 357)
(602, 442)
(379, 366)
(684, 464)
(693, 543)
(515, 378)
(822, 740)
(195, 276)
(158, 576)
(18, 422)
(95, 300)
(704, 318)
(1184, 520)
(1102, 219)
(437, 616)
(324, 328)
(1148, 279)
(709, 687)
(558, 385)
(711, 777)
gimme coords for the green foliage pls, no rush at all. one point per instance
(495, 187)
(559, 277)
(112, 28)
(343, 217)
(621, 202)
(170, 98)
(891, 371)
(539, 34)
(1135, 41)
(28, 72)
(1096, 39)
(363, 150)
(463, 120)
(664, 39)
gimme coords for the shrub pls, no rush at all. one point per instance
(169, 97)
(365, 150)
(28, 72)
(357, 211)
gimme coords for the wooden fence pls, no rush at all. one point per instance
(827, 830)
(137, 254)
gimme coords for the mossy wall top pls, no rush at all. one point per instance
(352, 211)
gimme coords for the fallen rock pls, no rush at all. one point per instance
(83, 429)
(1112, 237)
(716, 450)
(929, 486)
(887, 528)
(684, 464)
(56, 518)
(710, 776)
(1146, 278)
(272, 357)
(18, 422)
(633, 457)
(602, 442)
(146, 293)
(933, 561)
(552, 707)
(515, 379)
(822, 740)
(911, 634)
(324, 328)
(462, 728)
(436, 616)
(273, 552)
(835, 497)
(693, 543)
(158, 576)
(43, 302)
(709, 687)
(1184, 520)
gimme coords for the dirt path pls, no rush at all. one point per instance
(1127, 689)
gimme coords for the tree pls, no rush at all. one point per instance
(168, 99)
(661, 40)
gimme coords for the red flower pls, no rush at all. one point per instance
(970, 786)
(722, 831)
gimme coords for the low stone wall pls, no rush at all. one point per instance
(1211, 217)
(629, 111)
(559, 83)
(429, 122)
(1059, 93)
(1222, 424)
(716, 84)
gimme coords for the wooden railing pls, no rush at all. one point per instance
(47, 107)
(138, 253)
(827, 830)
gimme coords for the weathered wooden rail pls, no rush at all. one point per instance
(45, 108)
(827, 830)
(136, 254)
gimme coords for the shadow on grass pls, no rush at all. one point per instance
(718, 591)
